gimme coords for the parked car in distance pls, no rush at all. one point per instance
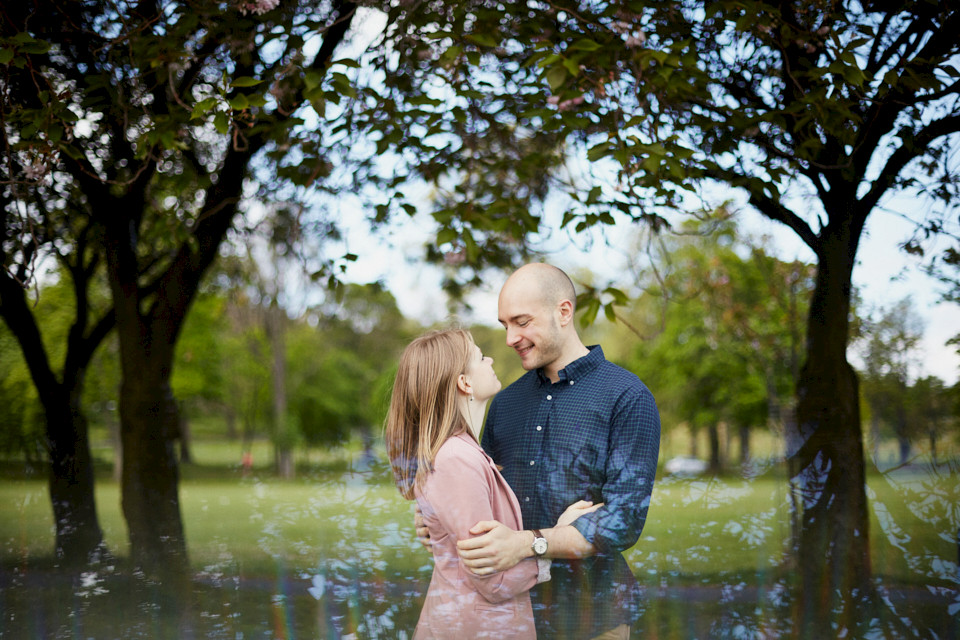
(685, 466)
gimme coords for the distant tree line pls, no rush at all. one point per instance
(713, 325)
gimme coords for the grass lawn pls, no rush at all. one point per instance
(724, 532)
(696, 527)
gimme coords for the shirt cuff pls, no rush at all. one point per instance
(543, 570)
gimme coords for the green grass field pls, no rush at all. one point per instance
(723, 533)
(695, 526)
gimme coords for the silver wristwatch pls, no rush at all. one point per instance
(539, 545)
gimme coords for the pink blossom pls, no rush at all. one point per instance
(258, 7)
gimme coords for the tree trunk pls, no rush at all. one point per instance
(149, 423)
(828, 467)
(713, 436)
(903, 437)
(744, 444)
(150, 499)
(79, 539)
(230, 415)
(282, 429)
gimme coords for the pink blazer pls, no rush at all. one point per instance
(464, 488)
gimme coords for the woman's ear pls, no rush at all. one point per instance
(463, 384)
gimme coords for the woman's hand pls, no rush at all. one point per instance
(423, 533)
(576, 510)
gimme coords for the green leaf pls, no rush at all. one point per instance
(38, 47)
(245, 81)
(446, 235)
(346, 62)
(598, 151)
(556, 76)
(312, 79)
(342, 85)
(619, 297)
(590, 313)
(257, 100)
(473, 251)
(222, 123)
(203, 107)
(585, 45)
(451, 54)
(6, 55)
(483, 39)
(239, 102)
(71, 151)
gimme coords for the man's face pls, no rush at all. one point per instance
(532, 328)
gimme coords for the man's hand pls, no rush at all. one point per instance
(423, 533)
(496, 548)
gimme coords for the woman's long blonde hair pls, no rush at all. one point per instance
(424, 411)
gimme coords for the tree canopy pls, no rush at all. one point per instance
(815, 114)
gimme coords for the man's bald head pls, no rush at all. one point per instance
(544, 283)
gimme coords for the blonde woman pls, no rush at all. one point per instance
(442, 388)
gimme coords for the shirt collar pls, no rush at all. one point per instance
(578, 368)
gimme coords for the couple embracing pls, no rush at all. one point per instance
(527, 522)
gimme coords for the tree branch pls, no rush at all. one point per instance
(768, 206)
(909, 149)
(16, 312)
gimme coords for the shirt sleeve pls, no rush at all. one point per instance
(630, 469)
(461, 495)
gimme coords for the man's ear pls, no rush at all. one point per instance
(565, 312)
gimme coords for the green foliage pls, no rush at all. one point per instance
(21, 419)
(722, 327)
(655, 101)
(337, 361)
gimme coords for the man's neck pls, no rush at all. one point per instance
(552, 370)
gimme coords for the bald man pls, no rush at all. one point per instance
(574, 427)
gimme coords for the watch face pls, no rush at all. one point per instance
(540, 546)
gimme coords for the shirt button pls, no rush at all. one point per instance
(532, 462)
(549, 397)
(539, 428)
(527, 499)
(571, 382)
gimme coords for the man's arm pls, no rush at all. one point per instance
(629, 472)
(497, 547)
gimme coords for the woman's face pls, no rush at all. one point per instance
(481, 375)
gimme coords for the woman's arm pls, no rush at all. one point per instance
(462, 490)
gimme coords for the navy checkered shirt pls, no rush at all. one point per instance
(592, 435)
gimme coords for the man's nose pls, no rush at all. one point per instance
(512, 338)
